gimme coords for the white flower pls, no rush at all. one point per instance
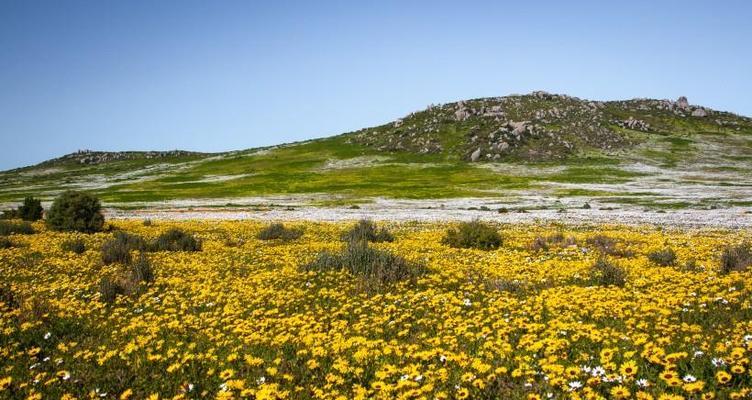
(260, 381)
(718, 362)
(418, 378)
(698, 353)
(47, 335)
(442, 358)
(599, 371)
(467, 302)
(642, 383)
(689, 378)
(574, 385)
(748, 338)
(404, 377)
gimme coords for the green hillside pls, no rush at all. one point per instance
(646, 152)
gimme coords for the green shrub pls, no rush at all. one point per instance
(664, 257)
(606, 273)
(11, 228)
(75, 211)
(31, 209)
(9, 214)
(118, 249)
(6, 243)
(279, 231)
(475, 234)
(736, 258)
(365, 231)
(77, 246)
(175, 240)
(147, 222)
(375, 268)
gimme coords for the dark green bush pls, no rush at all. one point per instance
(606, 273)
(365, 231)
(475, 234)
(75, 211)
(376, 268)
(279, 231)
(736, 258)
(664, 257)
(31, 209)
(9, 214)
(11, 228)
(77, 246)
(175, 240)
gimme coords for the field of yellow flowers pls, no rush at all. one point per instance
(241, 319)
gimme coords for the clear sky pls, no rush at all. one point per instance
(227, 75)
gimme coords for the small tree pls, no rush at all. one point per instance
(75, 211)
(31, 209)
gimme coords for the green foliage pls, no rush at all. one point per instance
(366, 231)
(474, 234)
(279, 231)
(9, 214)
(77, 246)
(606, 273)
(736, 258)
(175, 240)
(75, 211)
(31, 209)
(11, 228)
(664, 257)
(377, 269)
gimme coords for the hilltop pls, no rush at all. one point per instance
(538, 148)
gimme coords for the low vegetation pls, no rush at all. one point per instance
(376, 269)
(6, 243)
(279, 231)
(664, 257)
(15, 228)
(75, 211)
(475, 235)
(77, 246)
(736, 258)
(136, 275)
(366, 231)
(175, 239)
(607, 273)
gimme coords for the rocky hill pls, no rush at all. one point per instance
(541, 126)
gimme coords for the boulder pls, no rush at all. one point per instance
(475, 156)
(682, 102)
(699, 112)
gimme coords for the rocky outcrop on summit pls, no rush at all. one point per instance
(536, 127)
(89, 157)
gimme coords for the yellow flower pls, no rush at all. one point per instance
(722, 377)
(620, 392)
(629, 368)
(5, 382)
(126, 394)
(226, 374)
(462, 393)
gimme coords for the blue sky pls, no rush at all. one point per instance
(213, 76)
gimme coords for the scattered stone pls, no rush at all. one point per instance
(475, 156)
